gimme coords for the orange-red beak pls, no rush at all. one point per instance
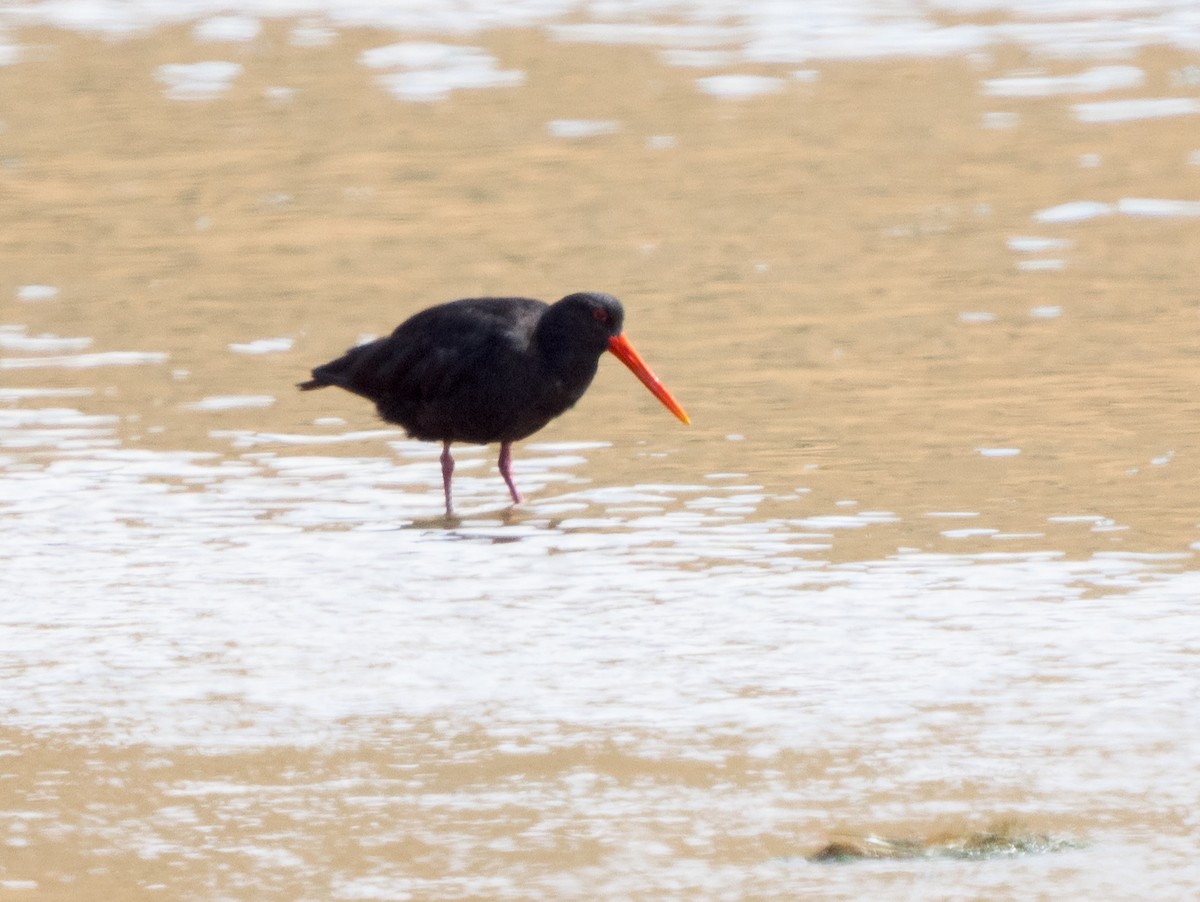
(623, 351)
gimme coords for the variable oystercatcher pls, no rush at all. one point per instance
(485, 370)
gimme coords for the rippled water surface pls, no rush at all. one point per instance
(924, 563)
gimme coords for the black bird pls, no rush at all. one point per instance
(485, 370)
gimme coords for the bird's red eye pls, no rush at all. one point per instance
(601, 315)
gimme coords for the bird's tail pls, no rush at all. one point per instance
(332, 373)
(325, 374)
(344, 372)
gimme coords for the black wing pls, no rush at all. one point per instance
(454, 372)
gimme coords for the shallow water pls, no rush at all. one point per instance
(925, 561)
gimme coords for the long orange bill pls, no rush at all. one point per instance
(621, 348)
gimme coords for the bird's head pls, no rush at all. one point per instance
(599, 320)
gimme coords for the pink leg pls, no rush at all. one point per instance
(447, 472)
(505, 463)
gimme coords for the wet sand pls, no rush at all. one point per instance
(925, 558)
(822, 245)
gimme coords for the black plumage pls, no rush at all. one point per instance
(485, 370)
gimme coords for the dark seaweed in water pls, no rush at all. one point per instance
(1000, 841)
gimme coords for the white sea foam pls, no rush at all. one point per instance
(84, 361)
(1158, 207)
(244, 438)
(37, 293)
(425, 71)
(1074, 211)
(1046, 311)
(9, 53)
(699, 59)
(739, 87)
(25, 394)
(1091, 81)
(311, 33)
(231, 402)
(582, 128)
(1050, 264)
(664, 35)
(1032, 244)
(1131, 110)
(748, 31)
(262, 346)
(1141, 207)
(233, 28)
(197, 81)
(13, 338)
